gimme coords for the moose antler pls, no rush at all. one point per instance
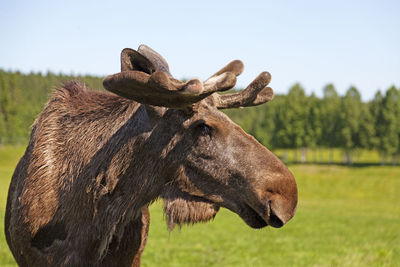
(158, 61)
(256, 93)
(145, 78)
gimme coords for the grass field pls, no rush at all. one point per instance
(347, 216)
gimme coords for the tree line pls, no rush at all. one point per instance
(22, 97)
(304, 122)
(293, 121)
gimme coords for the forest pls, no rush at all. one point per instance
(295, 121)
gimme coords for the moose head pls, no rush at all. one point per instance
(212, 162)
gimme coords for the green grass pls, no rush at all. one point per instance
(9, 157)
(323, 155)
(347, 216)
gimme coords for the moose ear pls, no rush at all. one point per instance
(181, 208)
(133, 60)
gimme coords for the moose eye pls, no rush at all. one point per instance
(203, 129)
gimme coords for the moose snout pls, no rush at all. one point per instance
(280, 211)
(272, 195)
(282, 200)
(278, 194)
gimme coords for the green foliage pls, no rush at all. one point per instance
(388, 123)
(330, 107)
(350, 114)
(313, 123)
(367, 132)
(9, 156)
(22, 97)
(300, 121)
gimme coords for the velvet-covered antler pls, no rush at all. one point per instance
(255, 94)
(158, 61)
(145, 78)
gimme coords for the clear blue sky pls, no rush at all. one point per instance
(311, 42)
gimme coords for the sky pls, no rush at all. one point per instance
(347, 43)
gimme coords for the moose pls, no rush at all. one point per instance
(96, 160)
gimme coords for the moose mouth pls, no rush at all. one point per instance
(255, 220)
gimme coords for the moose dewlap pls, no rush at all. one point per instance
(95, 161)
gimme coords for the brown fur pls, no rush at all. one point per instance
(95, 161)
(181, 208)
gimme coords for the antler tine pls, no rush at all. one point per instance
(225, 78)
(158, 61)
(222, 82)
(255, 94)
(133, 60)
(235, 66)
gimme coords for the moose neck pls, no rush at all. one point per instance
(134, 170)
(137, 169)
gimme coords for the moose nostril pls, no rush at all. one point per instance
(274, 220)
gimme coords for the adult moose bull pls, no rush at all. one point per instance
(96, 160)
